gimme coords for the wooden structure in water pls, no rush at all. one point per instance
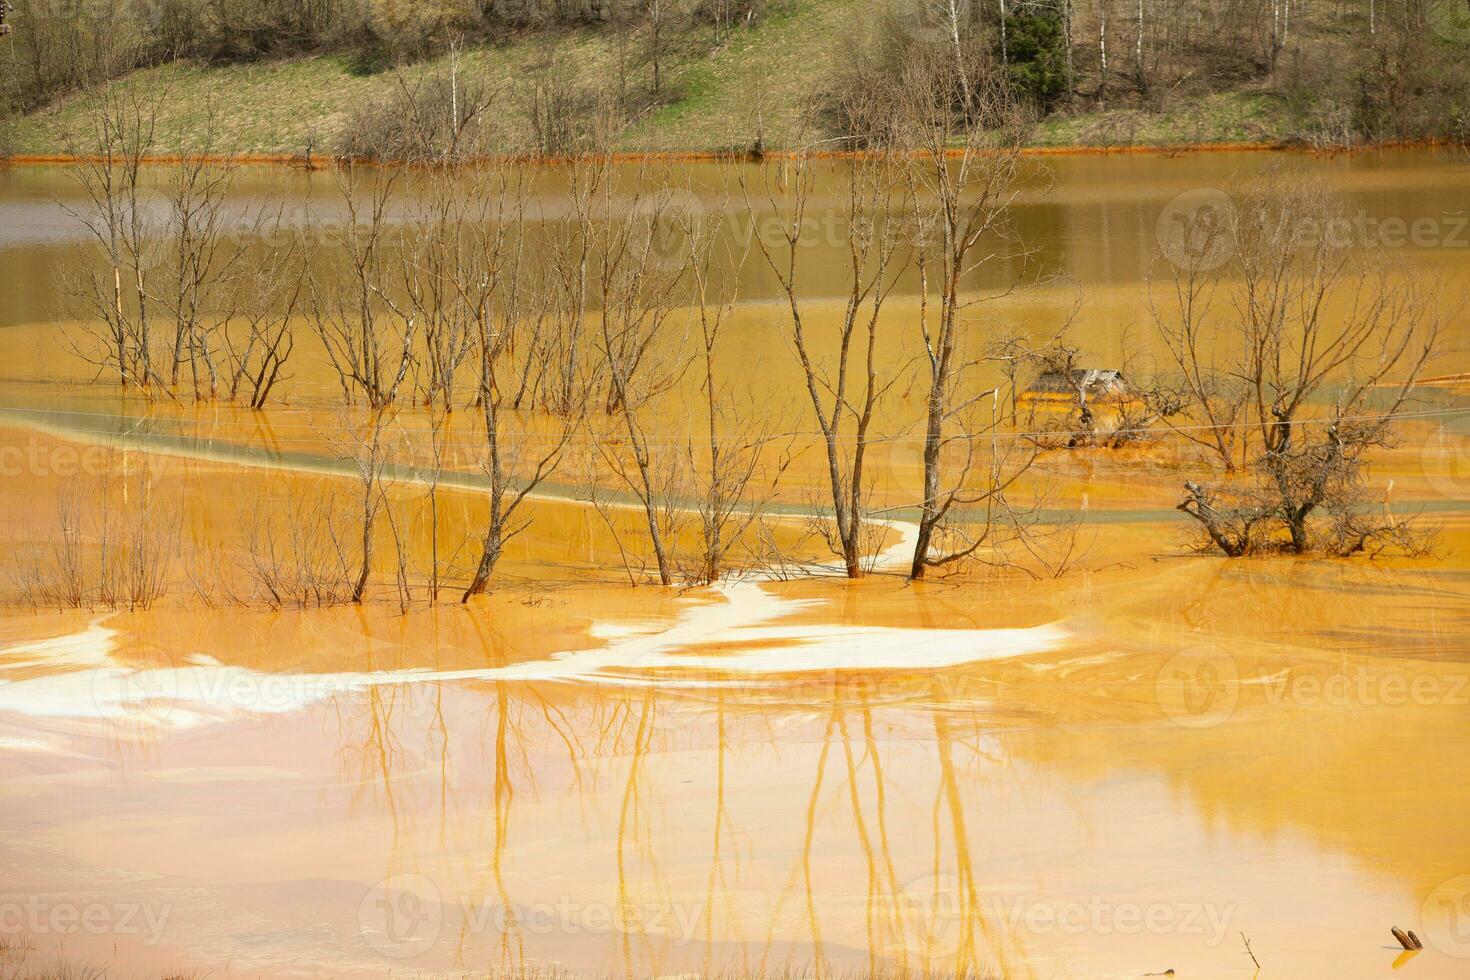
(1077, 388)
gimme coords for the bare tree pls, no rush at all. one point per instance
(368, 338)
(368, 451)
(1330, 344)
(121, 219)
(1187, 321)
(571, 243)
(736, 440)
(643, 361)
(269, 294)
(840, 366)
(206, 251)
(445, 275)
(522, 448)
(964, 178)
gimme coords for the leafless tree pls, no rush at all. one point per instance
(731, 463)
(643, 359)
(1189, 322)
(501, 297)
(571, 244)
(207, 251)
(367, 446)
(1330, 343)
(261, 338)
(840, 367)
(444, 273)
(964, 177)
(120, 216)
(369, 340)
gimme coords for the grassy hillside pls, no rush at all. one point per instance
(719, 96)
(761, 79)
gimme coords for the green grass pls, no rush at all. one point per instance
(1230, 117)
(724, 94)
(758, 81)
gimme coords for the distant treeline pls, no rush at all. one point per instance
(1342, 71)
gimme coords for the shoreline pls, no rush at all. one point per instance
(297, 161)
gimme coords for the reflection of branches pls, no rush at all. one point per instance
(631, 822)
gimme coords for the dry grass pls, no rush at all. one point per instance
(284, 107)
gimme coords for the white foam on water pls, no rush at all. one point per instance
(89, 647)
(741, 625)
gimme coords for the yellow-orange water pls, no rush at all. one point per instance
(1111, 773)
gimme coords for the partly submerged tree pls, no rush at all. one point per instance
(841, 365)
(1328, 340)
(964, 173)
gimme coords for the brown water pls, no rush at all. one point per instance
(1114, 773)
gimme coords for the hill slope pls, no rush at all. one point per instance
(717, 94)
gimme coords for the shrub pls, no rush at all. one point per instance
(411, 29)
(439, 116)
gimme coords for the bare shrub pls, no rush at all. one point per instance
(52, 50)
(296, 557)
(98, 556)
(563, 116)
(440, 115)
(1318, 320)
(414, 28)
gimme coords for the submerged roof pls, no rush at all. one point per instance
(1092, 382)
